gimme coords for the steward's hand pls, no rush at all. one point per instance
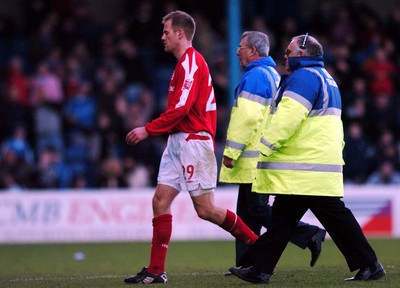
(228, 162)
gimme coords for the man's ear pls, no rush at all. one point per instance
(254, 51)
(181, 33)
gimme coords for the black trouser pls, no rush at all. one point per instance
(255, 212)
(338, 220)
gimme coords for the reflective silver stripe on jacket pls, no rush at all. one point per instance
(254, 98)
(325, 112)
(250, 154)
(235, 145)
(271, 80)
(300, 166)
(324, 87)
(266, 143)
(298, 98)
(239, 146)
(320, 112)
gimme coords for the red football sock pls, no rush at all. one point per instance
(162, 230)
(234, 225)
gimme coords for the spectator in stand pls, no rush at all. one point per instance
(80, 114)
(20, 146)
(46, 87)
(145, 28)
(206, 35)
(369, 31)
(356, 111)
(120, 28)
(78, 66)
(381, 115)
(73, 76)
(13, 113)
(381, 71)
(52, 171)
(393, 26)
(386, 148)
(136, 175)
(15, 173)
(17, 80)
(107, 66)
(111, 175)
(139, 105)
(341, 63)
(80, 111)
(55, 63)
(109, 81)
(358, 154)
(342, 28)
(131, 63)
(323, 16)
(289, 26)
(385, 174)
(259, 23)
(87, 29)
(137, 108)
(48, 124)
(355, 100)
(68, 34)
(109, 121)
(85, 66)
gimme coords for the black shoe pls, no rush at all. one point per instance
(228, 274)
(145, 277)
(248, 275)
(365, 274)
(315, 245)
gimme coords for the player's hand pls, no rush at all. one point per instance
(136, 135)
(228, 162)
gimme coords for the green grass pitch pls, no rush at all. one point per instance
(189, 264)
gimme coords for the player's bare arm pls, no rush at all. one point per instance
(136, 135)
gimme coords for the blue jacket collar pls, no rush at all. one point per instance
(264, 61)
(305, 61)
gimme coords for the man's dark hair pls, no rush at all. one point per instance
(180, 19)
(309, 44)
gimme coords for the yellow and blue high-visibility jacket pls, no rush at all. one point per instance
(253, 97)
(302, 141)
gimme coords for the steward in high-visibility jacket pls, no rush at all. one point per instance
(302, 141)
(253, 97)
(301, 147)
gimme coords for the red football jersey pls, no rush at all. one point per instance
(191, 101)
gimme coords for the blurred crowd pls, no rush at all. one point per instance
(72, 87)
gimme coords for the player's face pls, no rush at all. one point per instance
(169, 37)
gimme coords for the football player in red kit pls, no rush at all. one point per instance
(188, 163)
